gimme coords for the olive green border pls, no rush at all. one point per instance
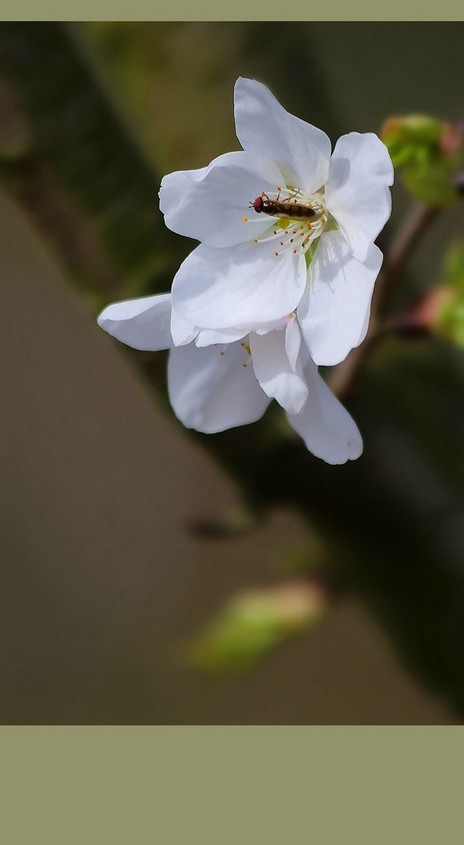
(238, 10)
(241, 785)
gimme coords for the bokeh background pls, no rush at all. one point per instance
(121, 534)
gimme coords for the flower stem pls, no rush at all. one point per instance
(344, 377)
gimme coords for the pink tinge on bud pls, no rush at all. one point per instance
(452, 138)
(426, 313)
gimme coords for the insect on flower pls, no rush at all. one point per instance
(288, 207)
(243, 326)
(307, 244)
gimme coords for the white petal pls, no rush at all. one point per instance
(357, 190)
(334, 310)
(263, 126)
(182, 332)
(210, 204)
(274, 373)
(141, 323)
(273, 325)
(214, 388)
(208, 337)
(293, 342)
(324, 424)
(246, 285)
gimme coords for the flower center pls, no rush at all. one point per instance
(296, 218)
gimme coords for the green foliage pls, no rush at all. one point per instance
(254, 624)
(446, 302)
(453, 267)
(428, 152)
(441, 311)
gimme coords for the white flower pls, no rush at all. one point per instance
(227, 384)
(284, 226)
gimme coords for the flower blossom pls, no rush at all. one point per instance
(281, 281)
(284, 225)
(222, 385)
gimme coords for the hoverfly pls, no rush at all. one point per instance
(289, 207)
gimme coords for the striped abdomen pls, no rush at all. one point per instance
(282, 209)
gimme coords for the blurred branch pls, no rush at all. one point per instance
(82, 176)
(344, 377)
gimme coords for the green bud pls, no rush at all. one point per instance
(442, 310)
(453, 267)
(427, 152)
(254, 624)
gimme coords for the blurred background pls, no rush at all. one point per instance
(154, 576)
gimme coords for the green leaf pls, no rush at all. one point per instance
(254, 624)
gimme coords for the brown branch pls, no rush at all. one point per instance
(344, 377)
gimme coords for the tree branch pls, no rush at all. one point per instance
(344, 377)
